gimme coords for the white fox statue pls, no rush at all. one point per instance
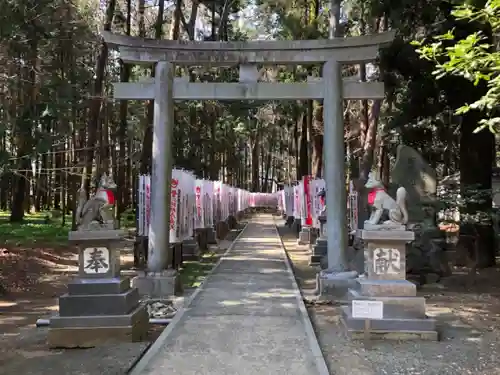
(100, 207)
(380, 201)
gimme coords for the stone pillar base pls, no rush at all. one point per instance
(334, 286)
(158, 285)
(190, 250)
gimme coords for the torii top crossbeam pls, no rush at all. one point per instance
(344, 50)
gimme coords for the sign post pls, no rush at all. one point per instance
(367, 310)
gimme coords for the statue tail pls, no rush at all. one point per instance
(401, 195)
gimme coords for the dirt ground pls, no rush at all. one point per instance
(469, 327)
(36, 277)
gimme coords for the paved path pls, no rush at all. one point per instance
(247, 318)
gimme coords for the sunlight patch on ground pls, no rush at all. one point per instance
(245, 301)
(273, 295)
(258, 239)
(11, 319)
(250, 258)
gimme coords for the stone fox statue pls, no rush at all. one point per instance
(99, 207)
(382, 202)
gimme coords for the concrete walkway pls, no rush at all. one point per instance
(247, 318)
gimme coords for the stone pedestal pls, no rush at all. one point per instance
(201, 239)
(211, 237)
(190, 250)
(319, 249)
(385, 280)
(296, 225)
(304, 236)
(100, 306)
(232, 222)
(162, 285)
(221, 230)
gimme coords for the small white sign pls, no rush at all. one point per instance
(363, 309)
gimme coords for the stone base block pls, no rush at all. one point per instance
(211, 239)
(221, 230)
(321, 242)
(296, 225)
(98, 304)
(313, 236)
(98, 286)
(190, 250)
(201, 239)
(319, 250)
(335, 286)
(91, 331)
(176, 249)
(396, 307)
(232, 222)
(400, 329)
(157, 285)
(304, 236)
(315, 260)
(386, 288)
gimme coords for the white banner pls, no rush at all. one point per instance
(197, 203)
(144, 200)
(199, 215)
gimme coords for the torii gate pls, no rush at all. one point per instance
(164, 89)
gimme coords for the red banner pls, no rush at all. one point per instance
(307, 195)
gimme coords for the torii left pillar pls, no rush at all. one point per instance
(160, 279)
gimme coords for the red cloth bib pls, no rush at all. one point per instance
(372, 194)
(111, 197)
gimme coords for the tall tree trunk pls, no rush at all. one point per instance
(255, 163)
(123, 125)
(304, 149)
(24, 137)
(96, 101)
(476, 157)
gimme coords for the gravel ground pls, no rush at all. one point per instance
(462, 350)
(468, 325)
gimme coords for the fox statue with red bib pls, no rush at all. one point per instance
(99, 208)
(381, 202)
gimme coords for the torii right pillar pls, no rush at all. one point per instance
(334, 282)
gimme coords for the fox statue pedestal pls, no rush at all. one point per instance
(385, 281)
(100, 306)
(403, 313)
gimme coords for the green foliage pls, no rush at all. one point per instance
(472, 58)
(128, 218)
(193, 273)
(37, 229)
